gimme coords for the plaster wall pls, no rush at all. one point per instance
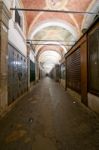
(32, 56)
(18, 40)
(16, 34)
(7, 3)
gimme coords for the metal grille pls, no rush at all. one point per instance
(74, 71)
(17, 74)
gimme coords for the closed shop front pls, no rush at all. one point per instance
(93, 51)
(17, 74)
(74, 71)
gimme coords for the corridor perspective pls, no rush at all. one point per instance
(49, 74)
(48, 119)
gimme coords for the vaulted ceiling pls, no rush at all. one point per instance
(53, 32)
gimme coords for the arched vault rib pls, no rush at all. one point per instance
(47, 49)
(48, 59)
(69, 28)
(57, 47)
(49, 23)
(87, 20)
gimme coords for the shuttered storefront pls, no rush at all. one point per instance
(17, 74)
(74, 71)
(93, 51)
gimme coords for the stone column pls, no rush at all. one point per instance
(4, 20)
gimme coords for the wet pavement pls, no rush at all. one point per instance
(47, 118)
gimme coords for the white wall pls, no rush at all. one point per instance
(16, 35)
(7, 3)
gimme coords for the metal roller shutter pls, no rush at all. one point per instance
(74, 71)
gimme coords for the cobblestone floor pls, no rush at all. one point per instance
(47, 118)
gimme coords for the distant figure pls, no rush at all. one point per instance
(47, 75)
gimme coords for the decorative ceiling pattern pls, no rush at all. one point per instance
(56, 4)
(57, 32)
(46, 27)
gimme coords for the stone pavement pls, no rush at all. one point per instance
(47, 118)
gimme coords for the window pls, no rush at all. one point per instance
(18, 18)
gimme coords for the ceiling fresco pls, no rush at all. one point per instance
(56, 4)
(65, 28)
(53, 33)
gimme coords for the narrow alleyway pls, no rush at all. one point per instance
(47, 118)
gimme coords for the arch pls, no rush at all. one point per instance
(48, 59)
(49, 23)
(88, 19)
(42, 50)
(34, 30)
(57, 43)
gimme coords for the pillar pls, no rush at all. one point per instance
(4, 20)
(84, 73)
